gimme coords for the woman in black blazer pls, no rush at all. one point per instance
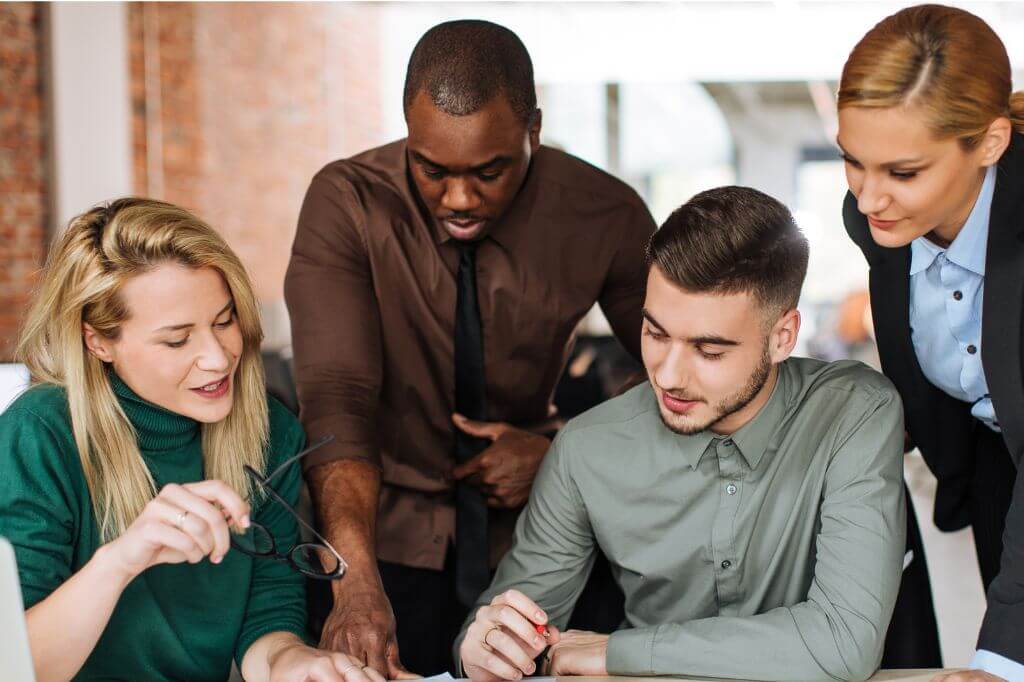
(930, 134)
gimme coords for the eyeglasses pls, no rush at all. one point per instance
(318, 560)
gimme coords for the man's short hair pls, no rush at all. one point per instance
(462, 65)
(730, 240)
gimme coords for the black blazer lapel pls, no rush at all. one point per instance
(890, 308)
(1003, 306)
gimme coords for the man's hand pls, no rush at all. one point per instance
(578, 653)
(968, 676)
(362, 625)
(506, 469)
(502, 640)
(298, 663)
(345, 494)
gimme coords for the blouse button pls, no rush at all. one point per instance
(971, 349)
(957, 295)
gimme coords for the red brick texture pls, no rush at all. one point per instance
(235, 106)
(247, 102)
(23, 198)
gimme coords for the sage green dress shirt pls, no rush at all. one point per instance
(771, 554)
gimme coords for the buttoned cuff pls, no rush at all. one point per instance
(997, 665)
(631, 652)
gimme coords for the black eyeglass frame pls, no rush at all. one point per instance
(263, 483)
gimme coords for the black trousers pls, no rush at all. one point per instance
(429, 616)
(912, 640)
(913, 637)
(991, 492)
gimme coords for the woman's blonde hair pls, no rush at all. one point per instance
(942, 60)
(81, 282)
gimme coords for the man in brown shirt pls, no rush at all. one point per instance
(381, 294)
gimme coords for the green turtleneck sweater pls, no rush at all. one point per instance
(173, 622)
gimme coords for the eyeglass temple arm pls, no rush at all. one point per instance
(298, 517)
(284, 465)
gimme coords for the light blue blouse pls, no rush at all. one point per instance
(946, 291)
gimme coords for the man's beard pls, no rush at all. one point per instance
(732, 404)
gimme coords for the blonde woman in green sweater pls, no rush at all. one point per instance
(146, 479)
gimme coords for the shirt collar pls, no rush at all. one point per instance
(968, 249)
(692, 447)
(923, 253)
(752, 438)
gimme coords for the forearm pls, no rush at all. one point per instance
(63, 628)
(794, 643)
(345, 493)
(256, 662)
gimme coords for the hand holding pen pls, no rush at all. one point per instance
(505, 637)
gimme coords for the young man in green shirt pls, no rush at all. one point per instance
(750, 503)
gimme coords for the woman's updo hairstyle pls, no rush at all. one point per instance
(944, 61)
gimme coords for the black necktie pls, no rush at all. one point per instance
(471, 569)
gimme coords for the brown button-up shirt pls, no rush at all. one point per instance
(371, 294)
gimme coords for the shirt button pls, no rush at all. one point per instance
(971, 349)
(726, 564)
(957, 295)
(731, 489)
(727, 442)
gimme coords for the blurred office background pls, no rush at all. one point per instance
(230, 108)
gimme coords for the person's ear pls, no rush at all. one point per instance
(534, 131)
(995, 141)
(97, 344)
(783, 336)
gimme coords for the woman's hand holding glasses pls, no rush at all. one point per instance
(190, 521)
(182, 523)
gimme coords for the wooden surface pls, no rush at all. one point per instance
(880, 676)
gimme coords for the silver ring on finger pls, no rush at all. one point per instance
(180, 520)
(351, 667)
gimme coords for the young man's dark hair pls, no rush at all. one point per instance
(733, 239)
(462, 65)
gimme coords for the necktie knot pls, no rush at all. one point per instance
(467, 253)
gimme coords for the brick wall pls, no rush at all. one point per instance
(236, 106)
(166, 135)
(23, 199)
